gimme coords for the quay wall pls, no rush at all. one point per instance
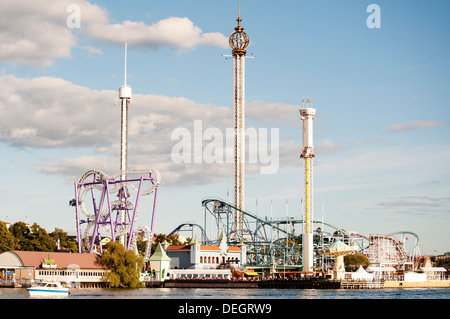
(300, 284)
(417, 284)
(186, 283)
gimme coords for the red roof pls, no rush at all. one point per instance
(178, 247)
(62, 260)
(205, 247)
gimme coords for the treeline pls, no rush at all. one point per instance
(20, 236)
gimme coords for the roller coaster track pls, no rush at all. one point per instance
(266, 238)
(191, 225)
(275, 239)
(385, 249)
(266, 222)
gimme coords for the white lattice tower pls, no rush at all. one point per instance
(239, 41)
(307, 116)
(125, 98)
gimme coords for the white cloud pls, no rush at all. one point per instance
(275, 113)
(89, 51)
(58, 115)
(326, 146)
(174, 32)
(34, 32)
(37, 32)
(413, 125)
(51, 112)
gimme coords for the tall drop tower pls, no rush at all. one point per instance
(307, 116)
(125, 98)
(239, 41)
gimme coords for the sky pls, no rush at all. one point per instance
(379, 79)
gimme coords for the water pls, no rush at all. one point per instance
(227, 293)
(232, 303)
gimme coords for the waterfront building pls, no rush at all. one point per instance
(73, 269)
(197, 256)
(200, 273)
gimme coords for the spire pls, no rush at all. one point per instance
(239, 40)
(239, 9)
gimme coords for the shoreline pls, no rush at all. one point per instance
(296, 284)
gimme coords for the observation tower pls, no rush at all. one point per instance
(307, 116)
(239, 41)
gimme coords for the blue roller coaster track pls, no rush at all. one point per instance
(272, 240)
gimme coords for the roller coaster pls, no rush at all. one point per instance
(280, 240)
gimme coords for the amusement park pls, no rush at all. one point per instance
(232, 237)
(232, 246)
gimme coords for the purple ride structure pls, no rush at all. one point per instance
(106, 202)
(109, 208)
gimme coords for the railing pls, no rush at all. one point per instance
(361, 284)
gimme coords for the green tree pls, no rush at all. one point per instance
(353, 261)
(64, 240)
(34, 238)
(172, 240)
(7, 240)
(22, 233)
(41, 240)
(125, 266)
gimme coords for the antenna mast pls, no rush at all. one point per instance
(125, 71)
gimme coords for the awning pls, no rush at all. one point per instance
(252, 273)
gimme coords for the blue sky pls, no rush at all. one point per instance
(382, 98)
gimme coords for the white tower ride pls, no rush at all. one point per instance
(307, 116)
(125, 98)
(239, 42)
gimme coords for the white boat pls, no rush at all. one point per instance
(48, 288)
